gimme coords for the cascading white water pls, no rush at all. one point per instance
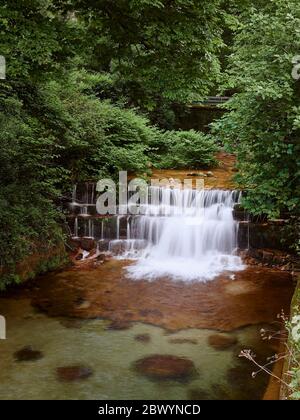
(184, 234)
(188, 234)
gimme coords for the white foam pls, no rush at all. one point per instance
(196, 241)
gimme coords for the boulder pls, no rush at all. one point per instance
(221, 341)
(27, 354)
(166, 367)
(73, 373)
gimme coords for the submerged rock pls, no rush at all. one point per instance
(27, 354)
(166, 367)
(182, 341)
(73, 373)
(119, 324)
(221, 341)
(143, 338)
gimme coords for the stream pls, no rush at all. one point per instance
(164, 317)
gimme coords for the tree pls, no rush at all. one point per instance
(263, 123)
(157, 51)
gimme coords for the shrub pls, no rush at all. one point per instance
(183, 149)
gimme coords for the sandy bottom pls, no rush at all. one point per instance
(103, 321)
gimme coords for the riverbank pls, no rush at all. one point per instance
(43, 259)
(291, 368)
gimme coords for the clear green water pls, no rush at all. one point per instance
(111, 355)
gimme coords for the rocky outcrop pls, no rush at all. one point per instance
(271, 258)
(271, 234)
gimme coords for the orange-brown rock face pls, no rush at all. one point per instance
(220, 177)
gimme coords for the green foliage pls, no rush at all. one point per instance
(156, 53)
(37, 38)
(64, 136)
(27, 187)
(293, 328)
(98, 138)
(262, 126)
(83, 78)
(183, 149)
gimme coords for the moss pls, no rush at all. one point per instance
(42, 261)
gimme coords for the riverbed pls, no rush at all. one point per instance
(110, 327)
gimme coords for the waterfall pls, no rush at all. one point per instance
(184, 234)
(118, 228)
(128, 228)
(76, 227)
(74, 194)
(190, 235)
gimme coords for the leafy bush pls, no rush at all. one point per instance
(28, 216)
(183, 149)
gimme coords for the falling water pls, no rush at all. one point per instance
(74, 194)
(128, 228)
(91, 229)
(84, 211)
(76, 227)
(118, 228)
(181, 233)
(190, 235)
